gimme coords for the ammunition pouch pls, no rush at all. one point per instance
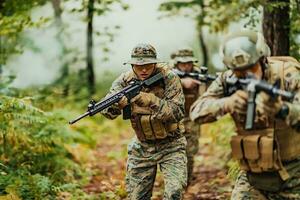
(147, 127)
(258, 151)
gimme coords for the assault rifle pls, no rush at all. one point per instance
(130, 91)
(253, 87)
(200, 76)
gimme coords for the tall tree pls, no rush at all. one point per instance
(64, 73)
(95, 8)
(276, 26)
(89, 46)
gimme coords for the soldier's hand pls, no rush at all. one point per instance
(123, 102)
(265, 105)
(189, 83)
(236, 103)
(144, 99)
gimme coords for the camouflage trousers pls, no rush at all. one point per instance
(192, 133)
(143, 159)
(244, 191)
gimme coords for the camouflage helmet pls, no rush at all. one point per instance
(184, 56)
(143, 54)
(243, 49)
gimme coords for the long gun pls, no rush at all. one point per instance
(253, 87)
(130, 91)
(200, 76)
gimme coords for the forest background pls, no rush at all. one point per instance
(56, 55)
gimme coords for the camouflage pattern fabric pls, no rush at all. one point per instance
(170, 155)
(142, 164)
(209, 107)
(183, 55)
(192, 133)
(171, 109)
(244, 191)
(143, 54)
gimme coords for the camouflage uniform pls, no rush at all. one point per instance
(192, 130)
(163, 144)
(255, 181)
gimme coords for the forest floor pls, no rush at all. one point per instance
(107, 167)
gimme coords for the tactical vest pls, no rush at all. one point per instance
(273, 142)
(191, 95)
(144, 123)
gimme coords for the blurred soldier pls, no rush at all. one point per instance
(268, 154)
(184, 61)
(157, 114)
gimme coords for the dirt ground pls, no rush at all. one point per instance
(109, 164)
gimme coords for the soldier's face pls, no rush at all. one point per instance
(144, 71)
(256, 70)
(185, 67)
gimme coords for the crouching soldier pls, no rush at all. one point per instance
(269, 153)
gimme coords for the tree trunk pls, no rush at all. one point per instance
(1, 54)
(201, 35)
(89, 59)
(1, 42)
(276, 28)
(64, 72)
(203, 47)
(57, 8)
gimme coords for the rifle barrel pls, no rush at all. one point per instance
(79, 118)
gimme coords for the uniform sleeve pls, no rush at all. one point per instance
(292, 83)
(209, 106)
(171, 107)
(113, 111)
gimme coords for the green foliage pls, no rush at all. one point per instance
(14, 18)
(176, 7)
(295, 29)
(35, 163)
(234, 169)
(218, 14)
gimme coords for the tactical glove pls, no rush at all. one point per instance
(144, 99)
(236, 103)
(189, 83)
(265, 105)
(123, 102)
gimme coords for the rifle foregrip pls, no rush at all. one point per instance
(250, 115)
(251, 106)
(127, 112)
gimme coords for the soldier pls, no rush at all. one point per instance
(269, 154)
(184, 60)
(157, 114)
